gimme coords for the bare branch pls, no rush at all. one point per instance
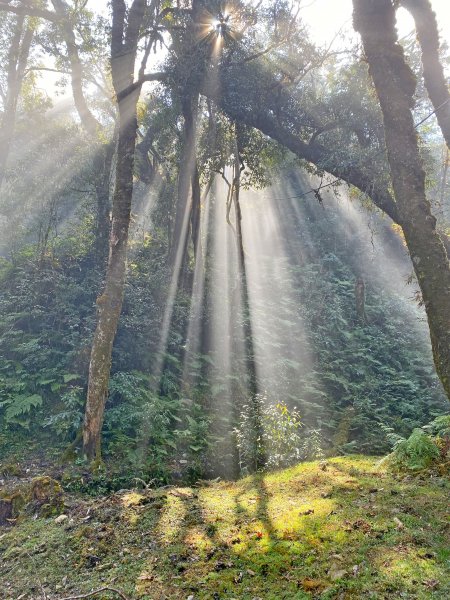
(103, 589)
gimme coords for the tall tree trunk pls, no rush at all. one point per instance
(395, 85)
(110, 302)
(443, 187)
(180, 234)
(17, 61)
(124, 40)
(103, 162)
(196, 214)
(433, 72)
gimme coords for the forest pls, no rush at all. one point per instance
(224, 299)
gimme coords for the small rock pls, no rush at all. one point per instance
(61, 519)
(336, 572)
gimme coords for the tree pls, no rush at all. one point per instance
(64, 20)
(433, 73)
(125, 34)
(22, 37)
(395, 84)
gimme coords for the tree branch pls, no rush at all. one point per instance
(29, 10)
(103, 589)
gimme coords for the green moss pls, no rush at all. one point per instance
(351, 531)
(45, 489)
(47, 495)
(18, 502)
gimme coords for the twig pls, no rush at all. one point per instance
(103, 589)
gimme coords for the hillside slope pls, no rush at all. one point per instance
(341, 529)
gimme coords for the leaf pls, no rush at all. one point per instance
(21, 405)
(45, 381)
(70, 377)
(195, 448)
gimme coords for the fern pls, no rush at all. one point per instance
(20, 405)
(440, 426)
(416, 453)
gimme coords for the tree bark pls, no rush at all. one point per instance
(124, 41)
(196, 214)
(110, 302)
(395, 85)
(180, 234)
(433, 72)
(103, 163)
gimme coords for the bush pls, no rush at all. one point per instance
(268, 434)
(416, 453)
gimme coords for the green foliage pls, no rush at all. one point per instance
(439, 427)
(424, 448)
(45, 326)
(313, 445)
(416, 453)
(139, 424)
(67, 422)
(160, 437)
(18, 406)
(268, 433)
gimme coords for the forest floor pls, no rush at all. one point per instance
(342, 529)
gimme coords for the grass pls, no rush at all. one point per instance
(345, 530)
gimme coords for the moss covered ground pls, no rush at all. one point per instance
(341, 529)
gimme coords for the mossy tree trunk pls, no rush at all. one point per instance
(124, 40)
(395, 85)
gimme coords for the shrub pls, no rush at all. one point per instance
(268, 434)
(416, 453)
